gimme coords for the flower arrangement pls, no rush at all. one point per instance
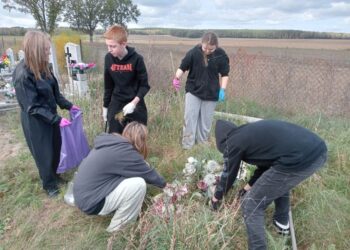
(4, 61)
(82, 66)
(168, 203)
(211, 172)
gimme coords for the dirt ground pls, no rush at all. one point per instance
(10, 146)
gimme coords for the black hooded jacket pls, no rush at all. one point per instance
(203, 80)
(267, 143)
(124, 79)
(38, 98)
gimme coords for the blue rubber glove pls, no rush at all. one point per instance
(222, 95)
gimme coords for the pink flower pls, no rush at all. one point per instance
(182, 190)
(158, 207)
(83, 66)
(202, 185)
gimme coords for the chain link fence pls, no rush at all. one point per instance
(287, 81)
(290, 84)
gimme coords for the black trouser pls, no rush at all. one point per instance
(44, 142)
(273, 185)
(117, 126)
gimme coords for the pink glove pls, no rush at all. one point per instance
(176, 84)
(64, 122)
(74, 107)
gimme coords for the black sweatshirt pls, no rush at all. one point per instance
(124, 79)
(112, 160)
(267, 143)
(203, 81)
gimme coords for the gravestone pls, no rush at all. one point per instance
(77, 78)
(9, 53)
(20, 55)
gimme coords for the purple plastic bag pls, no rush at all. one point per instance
(74, 144)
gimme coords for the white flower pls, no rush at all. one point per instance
(209, 179)
(213, 167)
(189, 169)
(168, 191)
(192, 160)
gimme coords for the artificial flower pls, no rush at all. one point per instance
(83, 66)
(4, 61)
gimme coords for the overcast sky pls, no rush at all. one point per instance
(312, 15)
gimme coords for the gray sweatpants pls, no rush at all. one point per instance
(198, 120)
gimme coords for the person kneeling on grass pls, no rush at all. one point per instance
(285, 154)
(113, 177)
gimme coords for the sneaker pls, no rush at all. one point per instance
(280, 228)
(52, 192)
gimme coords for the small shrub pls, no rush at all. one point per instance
(60, 41)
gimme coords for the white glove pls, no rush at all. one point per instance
(104, 113)
(129, 108)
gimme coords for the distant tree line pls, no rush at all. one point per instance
(14, 31)
(261, 34)
(243, 33)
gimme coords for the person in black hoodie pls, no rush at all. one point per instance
(38, 95)
(125, 82)
(285, 154)
(113, 177)
(206, 62)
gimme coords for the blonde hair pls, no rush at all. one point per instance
(35, 44)
(116, 33)
(136, 133)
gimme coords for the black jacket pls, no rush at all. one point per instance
(202, 80)
(124, 79)
(38, 98)
(112, 160)
(267, 143)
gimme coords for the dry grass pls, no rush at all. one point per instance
(28, 220)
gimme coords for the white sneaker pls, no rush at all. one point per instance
(280, 228)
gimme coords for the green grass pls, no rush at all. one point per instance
(29, 220)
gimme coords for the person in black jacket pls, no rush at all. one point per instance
(285, 155)
(205, 63)
(113, 177)
(125, 82)
(38, 95)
